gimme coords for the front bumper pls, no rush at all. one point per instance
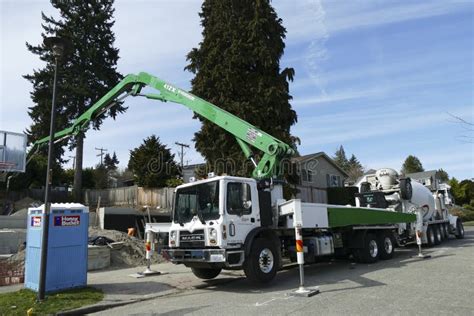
(195, 255)
(227, 258)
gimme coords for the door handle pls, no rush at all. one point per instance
(232, 229)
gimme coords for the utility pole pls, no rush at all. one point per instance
(102, 151)
(181, 156)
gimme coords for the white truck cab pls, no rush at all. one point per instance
(212, 219)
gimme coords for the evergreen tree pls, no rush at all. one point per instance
(237, 67)
(354, 169)
(152, 163)
(443, 175)
(86, 74)
(101, 177)
(111, 163)
(411, 165)
(340, 158)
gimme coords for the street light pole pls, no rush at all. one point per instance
(59, 47)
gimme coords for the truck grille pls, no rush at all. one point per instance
(192, 240)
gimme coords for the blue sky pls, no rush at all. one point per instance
(378, 77)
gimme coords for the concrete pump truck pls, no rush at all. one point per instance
(227, 222)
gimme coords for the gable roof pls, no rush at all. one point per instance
(322, 154)
(423, 174)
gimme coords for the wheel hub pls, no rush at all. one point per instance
(265, 260)
(388, 245)
(374, 250)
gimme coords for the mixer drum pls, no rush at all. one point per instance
(422, 197)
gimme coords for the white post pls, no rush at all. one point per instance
(149, 251)
(298, 223)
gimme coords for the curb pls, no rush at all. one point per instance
(101, 307)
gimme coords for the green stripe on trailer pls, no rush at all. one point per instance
(344, 216)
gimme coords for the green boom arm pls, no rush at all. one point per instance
(246, 134)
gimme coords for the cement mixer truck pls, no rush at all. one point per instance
(388, 190)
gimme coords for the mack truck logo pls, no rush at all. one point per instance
(191, 237)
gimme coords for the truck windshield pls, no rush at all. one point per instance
(201, 200)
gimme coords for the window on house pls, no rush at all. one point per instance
(333, 181)
(307, 175)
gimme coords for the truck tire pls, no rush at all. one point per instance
(459, 229)
(387, 245)
(430, 236)
(446, 230)
(206, 273)
(444, 236)
(370, 253)
(406, 189)
(437, 234)
(262, 263)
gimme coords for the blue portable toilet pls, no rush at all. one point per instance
(66, 265)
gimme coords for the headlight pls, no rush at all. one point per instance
(173, 236)
(212, 236)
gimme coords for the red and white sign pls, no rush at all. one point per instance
(36, 221)
(67, 220)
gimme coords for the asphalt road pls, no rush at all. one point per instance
(443, 284)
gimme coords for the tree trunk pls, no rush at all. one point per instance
(77, 190)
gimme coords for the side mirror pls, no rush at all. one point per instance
(247, 204)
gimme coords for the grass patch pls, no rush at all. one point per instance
(19, 302)
(470, 223)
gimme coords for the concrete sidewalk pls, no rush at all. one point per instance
(120, 288)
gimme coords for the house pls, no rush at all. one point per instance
(189, 171)
(430, 179)
(317, 172)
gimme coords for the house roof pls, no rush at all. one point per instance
(194, 166)
(423, 174)
(317, 155)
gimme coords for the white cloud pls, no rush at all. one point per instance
(341, 16)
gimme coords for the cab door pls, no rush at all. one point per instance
(241, 209)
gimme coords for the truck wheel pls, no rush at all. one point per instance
(430, 236)
(387, 246)
(406, 189)
(206, 273)
(444, 236)
(446, 230)
(437, 234)
(262, 263)
(459, 229)
(371, 251)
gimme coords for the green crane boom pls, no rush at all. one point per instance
(273, 149)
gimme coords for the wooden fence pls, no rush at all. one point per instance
(131, 197)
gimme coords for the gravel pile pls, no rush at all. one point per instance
(130, 254)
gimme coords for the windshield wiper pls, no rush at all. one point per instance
(200, 216)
